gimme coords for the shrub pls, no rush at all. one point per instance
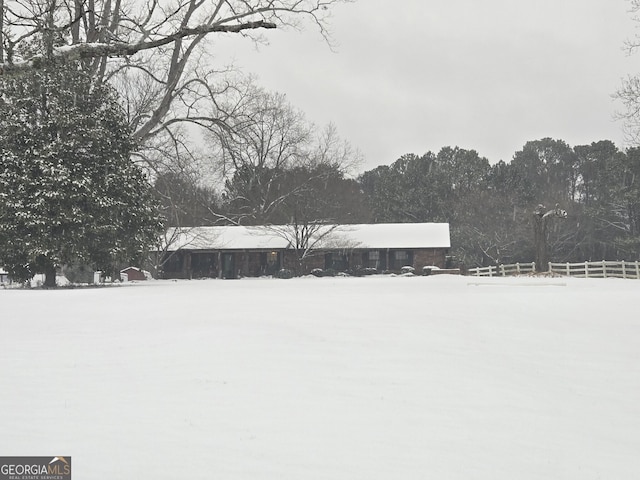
(77, 272)
(284, 273)
(426, 270)
(361, 272)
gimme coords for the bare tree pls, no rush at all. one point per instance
(629, 91)
(304, 238)
(271, 159)
(158, 50)
(2, 43)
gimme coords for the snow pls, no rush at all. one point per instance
(373, 236)
(224, 237)
(399, 235)
(442, 377)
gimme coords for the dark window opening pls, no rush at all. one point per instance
(336, 261)
(375, 259)
(204, 265)
(400, 258)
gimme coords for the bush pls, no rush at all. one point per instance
(77, 272)
(426, 270)
(361, 271)
(284, 273)
(407, 269)
(329, 272)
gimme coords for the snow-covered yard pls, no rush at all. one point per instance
(333, 378)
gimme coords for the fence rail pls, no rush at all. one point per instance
(503, 270)
(597, 269)
(604, 269)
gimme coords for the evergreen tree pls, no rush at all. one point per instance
(68, 188)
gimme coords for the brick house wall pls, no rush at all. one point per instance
(251, 263)
(430, 256)
(315, 260)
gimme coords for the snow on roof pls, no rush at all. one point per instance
(370, 236)
(223, 238)
(394, 235)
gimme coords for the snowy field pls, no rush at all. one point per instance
(333, 378)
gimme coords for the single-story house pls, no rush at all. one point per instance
(4, 276)
(239, 251)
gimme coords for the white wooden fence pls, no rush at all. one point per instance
(597, 269)
(503, 270)
(602, 269)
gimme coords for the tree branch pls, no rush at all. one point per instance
(121, 49)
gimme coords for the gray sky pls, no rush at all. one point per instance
(488, 75)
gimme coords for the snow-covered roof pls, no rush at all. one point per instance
(223, 238)
(276, 237)
(393, 235)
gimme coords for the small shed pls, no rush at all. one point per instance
(4, 276)
(132, 273)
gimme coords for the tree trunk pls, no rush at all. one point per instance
(1, 30)
(540, 243)
(50, 276)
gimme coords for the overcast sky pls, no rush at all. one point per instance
(411, 76)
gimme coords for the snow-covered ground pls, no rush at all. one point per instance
(332, 378)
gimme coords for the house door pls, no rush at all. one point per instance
(269, 263)
(228, 265)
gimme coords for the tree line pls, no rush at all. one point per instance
(491, 209)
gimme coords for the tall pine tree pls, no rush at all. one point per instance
(68, 188)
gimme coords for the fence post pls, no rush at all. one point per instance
(586, 269)
(550, 268)
(604, 269)
(637, 270)
(533, 267)
(568, 270)
(518, 268)
(502, 270)
(624, 270)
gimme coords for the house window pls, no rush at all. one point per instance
(336, 261)
(400, 258)
(373, 259)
